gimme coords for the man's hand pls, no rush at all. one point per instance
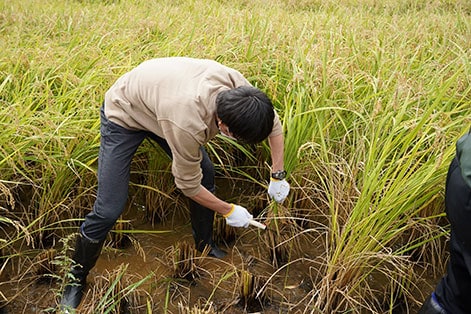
(238, 216)
(278, 190)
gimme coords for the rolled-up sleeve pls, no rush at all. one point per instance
(277, 127)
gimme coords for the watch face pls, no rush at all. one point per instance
(279, 175)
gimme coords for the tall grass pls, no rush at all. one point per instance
(372, 95)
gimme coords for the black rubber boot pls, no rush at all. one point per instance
(202, 224)
(430, 306)
(85, 257)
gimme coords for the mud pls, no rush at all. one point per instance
(289, 287)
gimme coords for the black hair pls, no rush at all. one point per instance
(248, 113)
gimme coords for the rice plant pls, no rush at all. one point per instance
(251, 296)
(222, 233)
(115, 292)
(118, 237)
(399, 182)
(153, 187)
(45, 268)
(184, 260)
(196, 309)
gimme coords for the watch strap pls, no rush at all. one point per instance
(278, 175)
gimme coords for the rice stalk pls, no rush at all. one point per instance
(115, 292)
(281, 238)
(152, 177)
(252, 297)
(184, 260)
(118, 237)
(207, 308)
(223, 234)
(391, 196)
(44, 265)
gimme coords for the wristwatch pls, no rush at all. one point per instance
(279, 175)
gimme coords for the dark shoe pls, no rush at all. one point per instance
(431, 306)
(84, 258)
(216, 252)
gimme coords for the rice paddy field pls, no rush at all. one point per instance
(372, 94)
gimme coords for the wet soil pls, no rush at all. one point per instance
(31, 295)
(290, 286)
(287, 288)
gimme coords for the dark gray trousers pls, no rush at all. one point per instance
(117, 148)
(454, 290)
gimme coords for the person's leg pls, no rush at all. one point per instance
(454, 289)
(85, 256)
(431, 306)
(117, 147)
(202, 218)
(452, 292)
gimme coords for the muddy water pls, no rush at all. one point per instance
(30, 296)
(289, 288)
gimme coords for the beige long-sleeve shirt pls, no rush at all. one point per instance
(175, 98)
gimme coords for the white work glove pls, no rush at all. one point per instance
(278, 190)
(238, 216)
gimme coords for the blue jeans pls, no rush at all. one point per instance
(117, 148)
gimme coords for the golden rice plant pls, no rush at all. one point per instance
(396, 181)
(222, 233)
(153, 185)
(184, 260)
(45, 267)
(207, 308)
(118, 236)
(252, 297)
(282, 235)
